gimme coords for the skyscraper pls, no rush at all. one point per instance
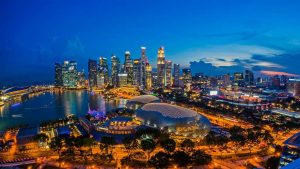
(186, 75)
(176, 75)
(148, 76)
(226, 80)
(238, 79)
(161, 68)
(136, 72)
(69, 74)
(128, 66)
(103, 71)
(275, 80)
(294, 86)
(92, 67)
(143, 63)
(58, 75)
(249, 77)
(115, 69)
(168, 75)
(81, 79)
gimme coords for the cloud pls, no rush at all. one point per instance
(226, 55)
(221, 59)
(273, 73)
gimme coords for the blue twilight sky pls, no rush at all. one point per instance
(211, 36)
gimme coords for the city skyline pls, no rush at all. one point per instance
(264, 40)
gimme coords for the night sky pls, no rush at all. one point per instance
(211, 36)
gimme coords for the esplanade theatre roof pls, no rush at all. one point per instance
(144, 99)
(169, 110)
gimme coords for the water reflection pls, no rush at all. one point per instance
(54, 105)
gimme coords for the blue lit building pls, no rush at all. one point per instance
(291, 150)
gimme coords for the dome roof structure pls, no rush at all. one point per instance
(176, 119)
(144, 99)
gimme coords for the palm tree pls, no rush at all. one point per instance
(181, 158)
(130, 144)
(187, 145)
(201, 158)
(148, 145)
(168, 145)
(56, 145)
(160, 160)
(106, 142)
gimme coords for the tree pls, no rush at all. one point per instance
(160, 160)
(272, 163)
(187, 144)
(106, 142)
(148, 145)
(235, 130)
(148, 133)
(41, 137)
(201, 158)
(130, 144)
(168, 145)
(88, 142)
(181, 158)
(56, 145)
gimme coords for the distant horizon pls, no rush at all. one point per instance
(214, 37)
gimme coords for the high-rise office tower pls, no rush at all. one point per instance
(81, 79)
(103, 71)
(144, 56)
(148, 76)
(249, 77)
(69, 74)
(294, 86)
(136, 72)
(226, 80)
(176, 75)
(58, 75)
(128, 68)
(275, 80)
(115, 70)
(154, 79)
(92, 66)
(186, 75)
(122, 77)
(143, 62)
(168, 73)
(238, 79)
(161, 68)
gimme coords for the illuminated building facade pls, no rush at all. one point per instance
(122, 79)
(186, 75)
(168, 73)
(238, 79)
(249, 77)
(136, 72)
(161, 68)
(58, 75)
(103, 71)
(176, 75)
(291, 150)
(128, 66)
(69, 74)
(115, 69)
(294, 87)
(148, 76)
(226, 80)
(92, 68)
(143, 62)
(81, 79)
